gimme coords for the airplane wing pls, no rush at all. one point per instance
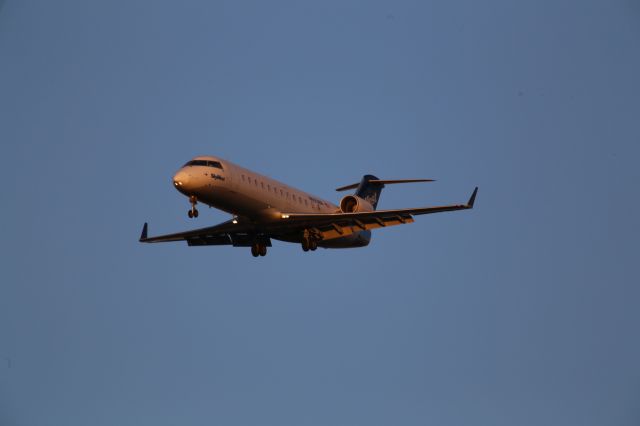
(328, 225)
(334, 225)
(221, 234)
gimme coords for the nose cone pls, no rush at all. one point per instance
(182, 181)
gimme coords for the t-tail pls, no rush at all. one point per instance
(369, 191)
(370, 187)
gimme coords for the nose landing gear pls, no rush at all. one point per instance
(194, 211)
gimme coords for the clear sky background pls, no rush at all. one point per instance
(522, 311)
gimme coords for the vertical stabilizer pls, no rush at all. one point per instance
(368, 190)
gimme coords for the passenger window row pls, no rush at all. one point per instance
(283, 193)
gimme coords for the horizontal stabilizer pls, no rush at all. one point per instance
(384, 182)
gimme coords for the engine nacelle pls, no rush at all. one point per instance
(355, 204)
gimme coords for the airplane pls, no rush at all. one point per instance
(264, 209)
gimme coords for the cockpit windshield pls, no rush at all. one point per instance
(207, 163)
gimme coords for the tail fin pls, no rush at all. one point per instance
(369, 189)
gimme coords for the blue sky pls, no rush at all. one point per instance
(522, 311)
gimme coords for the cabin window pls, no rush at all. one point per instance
(256, 181)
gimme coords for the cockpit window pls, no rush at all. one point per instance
(207, 163)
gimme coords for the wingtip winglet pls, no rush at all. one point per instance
(473, 198)
(143, 235)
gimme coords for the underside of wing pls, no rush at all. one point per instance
(226, 233)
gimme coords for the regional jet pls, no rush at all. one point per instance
(263, 209)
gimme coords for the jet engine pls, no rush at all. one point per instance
(355, 204)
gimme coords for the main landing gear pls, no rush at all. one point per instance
(309, 244)
(310, 241)
(193, 212)
(258, 249)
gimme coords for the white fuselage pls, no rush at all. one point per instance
(254, 197)
(242, 192)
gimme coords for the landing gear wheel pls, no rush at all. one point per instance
(193, 212)
(310, 240)
(262, 250)
(255, 250)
